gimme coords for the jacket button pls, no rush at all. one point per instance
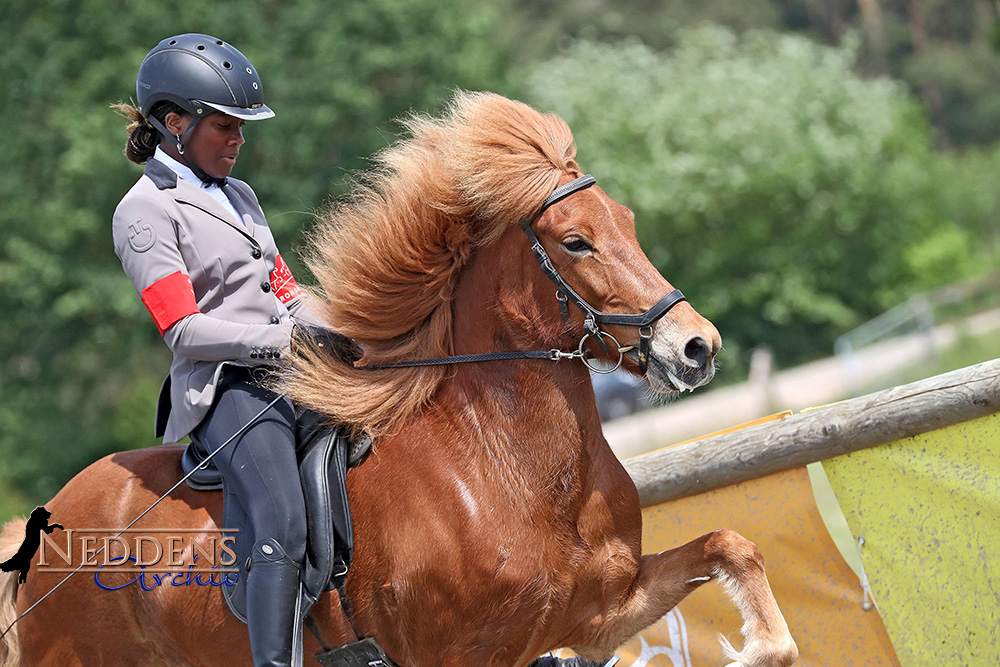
(255, 253)
(274, 320)
(265, 287)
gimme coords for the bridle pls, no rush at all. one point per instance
(593, 317)
(565, 294)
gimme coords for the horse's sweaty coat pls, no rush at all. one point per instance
(492, 521)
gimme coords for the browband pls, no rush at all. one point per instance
(564, 191)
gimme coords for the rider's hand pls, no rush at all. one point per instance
(336, 344)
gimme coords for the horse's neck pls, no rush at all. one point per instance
(535, 413)
(532, 425)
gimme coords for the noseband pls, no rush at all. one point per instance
(592, 317)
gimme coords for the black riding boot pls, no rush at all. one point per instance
(273, 605)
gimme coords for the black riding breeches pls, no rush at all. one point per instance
(260, 466)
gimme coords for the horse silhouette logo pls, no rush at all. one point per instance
(37, 522)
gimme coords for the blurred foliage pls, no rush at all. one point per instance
(945, 51)
(789, 198)
(538, 29)
(80, 364)
(968, 185)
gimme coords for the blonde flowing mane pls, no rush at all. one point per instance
(388, 258)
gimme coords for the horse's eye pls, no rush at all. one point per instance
(577, 246)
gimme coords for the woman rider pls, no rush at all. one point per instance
(197, 247)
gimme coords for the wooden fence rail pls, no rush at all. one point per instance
(819, 434)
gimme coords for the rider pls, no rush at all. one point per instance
(197, 247)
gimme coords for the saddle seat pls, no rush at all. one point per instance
(206, 477)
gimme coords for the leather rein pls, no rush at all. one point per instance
(565, 294)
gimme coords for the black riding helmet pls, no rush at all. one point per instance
(200, 74)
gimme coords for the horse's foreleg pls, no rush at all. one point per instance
(664, 579)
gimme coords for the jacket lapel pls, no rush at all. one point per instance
(240, 205)
(166, 178)
(191, 195)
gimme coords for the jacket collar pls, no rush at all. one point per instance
(162, 176)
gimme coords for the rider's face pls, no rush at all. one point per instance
(214, 143)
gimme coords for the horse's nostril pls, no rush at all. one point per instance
(698, 351)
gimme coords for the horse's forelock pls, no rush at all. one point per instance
(511, 158)
(387, 258)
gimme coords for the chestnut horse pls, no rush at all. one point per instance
(492, 521)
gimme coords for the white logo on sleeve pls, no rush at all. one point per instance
(140, 236)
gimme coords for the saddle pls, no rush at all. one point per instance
(323, 464)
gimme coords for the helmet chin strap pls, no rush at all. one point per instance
(179, 140)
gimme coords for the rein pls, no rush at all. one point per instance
(565, 294)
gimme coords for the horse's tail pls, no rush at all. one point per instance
(10, 540)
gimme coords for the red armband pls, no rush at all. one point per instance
(282, 283)
(169, 300)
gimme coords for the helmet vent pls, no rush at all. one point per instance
(227, 64)
(172, 42)
(219, 42)
(201, 47)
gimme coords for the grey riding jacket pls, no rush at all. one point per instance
(217, 290)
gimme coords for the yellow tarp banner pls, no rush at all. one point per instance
(818, 593)
(928, 508)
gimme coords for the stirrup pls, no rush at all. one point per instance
(550, 660)
(364, 653)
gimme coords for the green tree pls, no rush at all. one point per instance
(779, 190)
(946, 51)
(80, 361)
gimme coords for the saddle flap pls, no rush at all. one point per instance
(330, 545)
